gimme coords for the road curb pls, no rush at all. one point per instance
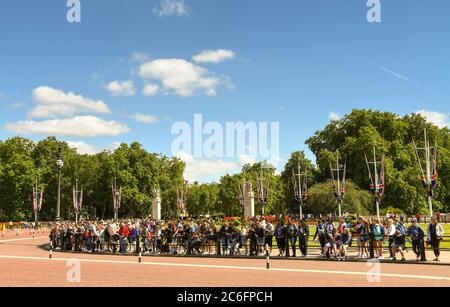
(349, 260)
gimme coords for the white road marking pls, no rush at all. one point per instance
(22, 239)
(404, 276)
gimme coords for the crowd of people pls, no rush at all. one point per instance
(254, 237)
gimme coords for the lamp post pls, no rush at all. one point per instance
(117, 198)
(262, 185)
(300, 182)
(59, 164)
(429, 174)
(338, 176)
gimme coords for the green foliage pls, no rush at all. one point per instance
(351, 219)
(24, 162)
(357, 133)
(138, 172)
(322, 200)
(203, 199)
(291, 167)
(391, 210)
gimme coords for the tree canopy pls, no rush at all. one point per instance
(23, 163)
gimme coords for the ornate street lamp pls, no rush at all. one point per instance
(59, 164)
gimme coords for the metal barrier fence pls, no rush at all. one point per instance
(203, 245)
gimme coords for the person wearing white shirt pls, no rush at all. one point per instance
(391, 233)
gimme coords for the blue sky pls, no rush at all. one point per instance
(289, 61)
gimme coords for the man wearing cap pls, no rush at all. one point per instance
(416, 234)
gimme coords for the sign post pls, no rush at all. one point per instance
(377, 179)
(77, 200)
(300, 183)
(338, 176)
(117, 198)
(429, 175)
(38, 197)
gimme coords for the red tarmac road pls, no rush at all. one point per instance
(24, 263)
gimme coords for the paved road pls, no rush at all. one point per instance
(23, 263)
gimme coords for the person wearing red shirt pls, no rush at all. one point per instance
(124, 232)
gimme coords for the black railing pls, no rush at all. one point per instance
(196, 245)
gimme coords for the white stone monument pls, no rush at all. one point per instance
(249, 200)
(156, 210)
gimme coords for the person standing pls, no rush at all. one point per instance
(280, 237)
(303, 236)
(378, 236)
(260, 237)
(434, 236)
(225, 235)
(144, 235)
(253, 240)
(244, 237)
(268, 232)
(391, 233)
(88, 238)
(124, 232)
(320, 234)
(416, 234)
(418, 216)
(291, 238)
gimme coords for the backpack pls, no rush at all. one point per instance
(401, 227)
(382, 231)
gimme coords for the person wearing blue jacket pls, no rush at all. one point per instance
(416, 234)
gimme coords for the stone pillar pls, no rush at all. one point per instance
(156, 209)
(249, 200)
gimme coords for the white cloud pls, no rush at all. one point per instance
(140, 57)
(80, 126)
(243, 160)
(205, 170)
(145, 118)
(2, 96)
(16, 105)
(84, 148)
(334, 116)
(113, 146)
(121, 88)
(172, 7)
(150, 90)
(439, 119)
(53, 102)
(214, 56)
(181, 77)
